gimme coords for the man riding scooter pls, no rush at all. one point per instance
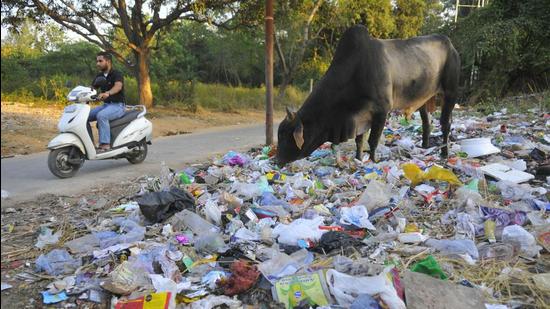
(112, 95)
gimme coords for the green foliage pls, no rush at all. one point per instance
(377, 15)
(409, 17)
(510, 43)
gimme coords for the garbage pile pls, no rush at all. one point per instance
(330, 231)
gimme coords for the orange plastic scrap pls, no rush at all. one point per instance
(416, 176)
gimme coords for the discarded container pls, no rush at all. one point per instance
(308, 288)
(477, 147)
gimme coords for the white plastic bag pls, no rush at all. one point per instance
(376, 194)
(47, 237)
(213, 212)
(516, 234)
(213, 301)
(345, 288)
(299, 229)
(356, 215)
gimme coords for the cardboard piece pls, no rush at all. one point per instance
(503, 172)
(425, 292)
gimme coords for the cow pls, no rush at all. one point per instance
(367, 79)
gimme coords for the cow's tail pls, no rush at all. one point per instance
(449, 85)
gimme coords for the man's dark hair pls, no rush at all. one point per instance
(105, 55)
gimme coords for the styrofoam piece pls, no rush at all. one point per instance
(476, 147)
(503, 172)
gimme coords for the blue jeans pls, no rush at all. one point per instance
(103, 114)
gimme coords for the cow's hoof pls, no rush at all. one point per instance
(373, 157)
(444, 153)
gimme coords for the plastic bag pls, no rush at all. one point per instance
(416, 176)
(517, 235)
(214, 301)
(213, 212)
(125, 279)
(299, 229)
(517, 192)
(454, 247)
(130, 232)
(376, 194)
(246, 190)
(211, 242)
(84, 244)
(268, 199)
(280, 265)
(343, 287)
(504, 217)
(158, 206)
(57, 262)
(356, 215)
(162, 284)
(365, 301)
(429, 266)
(47, 237)
(336, 240)
(233, 158)
(188, 219)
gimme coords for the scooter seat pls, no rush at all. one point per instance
(128, 117)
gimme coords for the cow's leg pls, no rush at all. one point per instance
(445, 121)
(425, 116)
(377, 126)
(359, 144)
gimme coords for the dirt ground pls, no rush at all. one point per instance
(27, 129)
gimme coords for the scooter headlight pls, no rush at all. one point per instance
(70, 109)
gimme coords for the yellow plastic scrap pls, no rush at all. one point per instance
(416, 176)
(413, 173)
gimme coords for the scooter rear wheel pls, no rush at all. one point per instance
(59, 165)
(138, 154)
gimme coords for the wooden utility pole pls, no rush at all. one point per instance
(269, 72)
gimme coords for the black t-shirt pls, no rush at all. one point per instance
(112, 77)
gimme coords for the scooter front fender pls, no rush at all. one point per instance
(66, 139)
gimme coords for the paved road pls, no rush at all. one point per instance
(26, 177)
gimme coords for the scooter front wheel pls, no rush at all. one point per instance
(59, 162)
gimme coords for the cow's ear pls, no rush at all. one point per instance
(290, 114)
(299, 135)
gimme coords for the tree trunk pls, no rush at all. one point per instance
(284, 84)
(144, 79)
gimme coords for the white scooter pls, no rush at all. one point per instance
(130, 135)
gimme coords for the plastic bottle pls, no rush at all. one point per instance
(165, 179)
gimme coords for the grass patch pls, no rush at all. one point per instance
(217, 97)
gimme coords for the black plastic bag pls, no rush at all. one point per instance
(158, 206)
(336, 240)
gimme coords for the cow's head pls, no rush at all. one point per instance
(290, 138)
